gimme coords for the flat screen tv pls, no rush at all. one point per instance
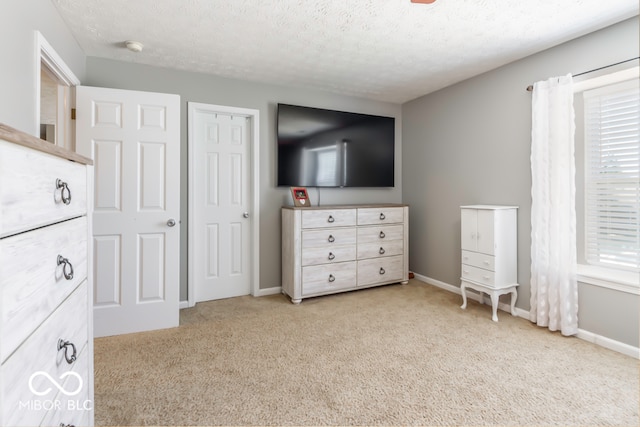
(327, 148)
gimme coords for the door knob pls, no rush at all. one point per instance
(245, 215)
(171, 222)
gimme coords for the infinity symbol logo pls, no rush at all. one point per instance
(55, 383)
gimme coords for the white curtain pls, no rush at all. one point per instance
(554, 288)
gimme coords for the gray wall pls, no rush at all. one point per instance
(195, 87)
(470, 143)
(20, 20)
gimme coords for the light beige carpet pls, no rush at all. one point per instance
(394, 355)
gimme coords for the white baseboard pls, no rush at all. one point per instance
(261, 293)
(268, 291)
(605, 342)
(600, 340)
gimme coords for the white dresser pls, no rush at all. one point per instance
(489, 243)
(46, 345)
(331, 249)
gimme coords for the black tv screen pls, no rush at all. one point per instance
(327, 148)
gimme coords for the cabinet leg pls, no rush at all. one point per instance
(514, 297)
(463, 291)
(296, 301)
(494, 306)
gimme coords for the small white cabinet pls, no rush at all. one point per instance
(340, 248)
(489, 256)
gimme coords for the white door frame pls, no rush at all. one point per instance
(254, 180)
(45, 53)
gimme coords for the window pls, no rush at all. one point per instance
(612, 176)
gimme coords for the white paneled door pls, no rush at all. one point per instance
(221, 202)
(134, 139)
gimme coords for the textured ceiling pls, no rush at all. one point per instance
(389, 50)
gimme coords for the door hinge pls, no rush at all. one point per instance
(73, 114)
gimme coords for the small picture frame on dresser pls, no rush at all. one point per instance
(300, 196)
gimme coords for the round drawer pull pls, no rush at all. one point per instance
(68, 274)
(332, 278)
(381, 251)
(382, 271)
(66, 344)
(382, 217)
(382, 235)
(331, 256)
(331, 239)
(331, 219)
(65, 193)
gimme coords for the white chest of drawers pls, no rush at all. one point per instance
(489, 252)
(46, 345)
(340, 248)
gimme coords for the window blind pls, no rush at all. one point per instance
(612, 175)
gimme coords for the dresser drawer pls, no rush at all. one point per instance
(75, 409)
(316, 256)
(380, 234)
(382, 215)
(477, 259)
(384, 248)
(29, 193)
(328, 238)
(478, 275)
(32, 282)
(326, 278)
(386, 269)
(328, 218)
(28, 374)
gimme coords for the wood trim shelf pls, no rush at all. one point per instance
(26, 140)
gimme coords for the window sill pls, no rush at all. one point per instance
(619, 280)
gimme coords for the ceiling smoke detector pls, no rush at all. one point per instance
(134, 46)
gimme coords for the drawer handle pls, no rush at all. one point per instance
(382, 271)
(62, 260)
(382, 235)
(382, 217)
(331, 238)
(381, 251)
(486, 277)
(66, 425)
(331, 219)
(331, 256)
(65, 193)
(486, 262)
(66, 344)
(332, 278)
